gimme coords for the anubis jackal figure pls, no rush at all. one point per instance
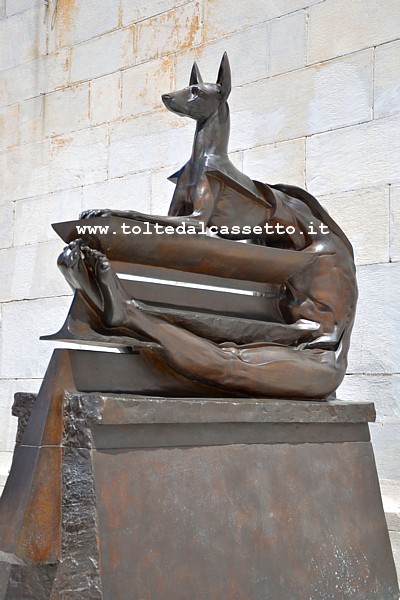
(319, 302)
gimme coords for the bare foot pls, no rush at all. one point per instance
(72, 265)
(115, 299)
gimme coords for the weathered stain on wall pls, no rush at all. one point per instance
(64, 15)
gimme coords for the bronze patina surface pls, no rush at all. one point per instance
(297, 348)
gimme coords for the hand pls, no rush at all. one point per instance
(191, 222)
(95, 212)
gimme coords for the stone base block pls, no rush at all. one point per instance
(207, 499)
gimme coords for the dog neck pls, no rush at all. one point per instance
(211, 137)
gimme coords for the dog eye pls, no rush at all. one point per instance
(197, 91)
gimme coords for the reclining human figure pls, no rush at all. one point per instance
(320, 300)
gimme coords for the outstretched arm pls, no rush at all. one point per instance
(165, 220)
(202, 199)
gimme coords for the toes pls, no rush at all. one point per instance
(74, 248)
(95, 212)
(87, 252)
(71, 254)
(92, 256)
(95, 259)
(104, 263)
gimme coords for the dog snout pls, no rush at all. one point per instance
(168, 101)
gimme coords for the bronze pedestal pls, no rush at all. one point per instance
(116, 496)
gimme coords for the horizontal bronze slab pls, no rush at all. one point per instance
(82, 326)
(245, 306)
(107, 372)
(216, 257)
(168, 274)
(135, 410)
(125, 437)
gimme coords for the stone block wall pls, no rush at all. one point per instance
(316, 103)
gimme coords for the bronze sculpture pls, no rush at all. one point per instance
(308, 356)
(155, 473)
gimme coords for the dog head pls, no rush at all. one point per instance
(200, 100)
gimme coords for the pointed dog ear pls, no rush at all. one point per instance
(195, 76)
(224, 76)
